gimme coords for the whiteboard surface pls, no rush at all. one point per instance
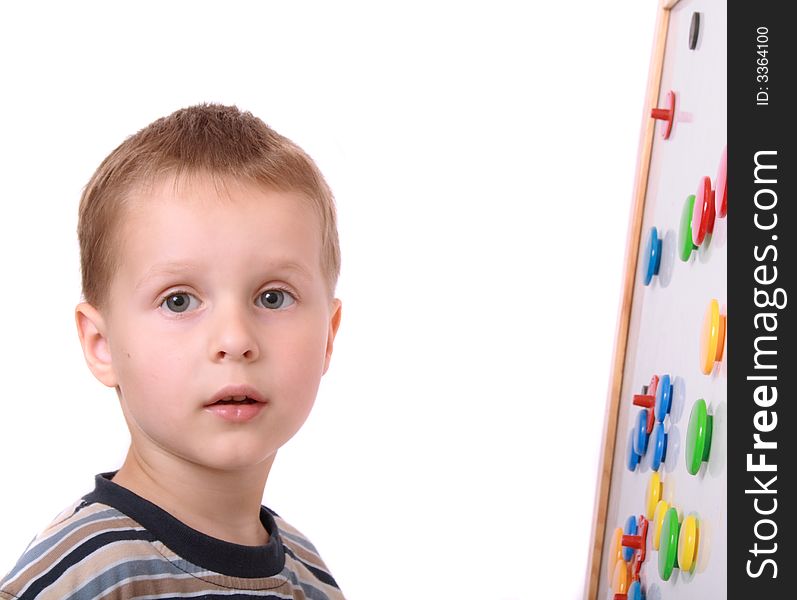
(667, 315)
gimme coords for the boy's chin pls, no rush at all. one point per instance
(236, 462)
(229, 458)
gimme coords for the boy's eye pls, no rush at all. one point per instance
(276, 298)
(179, 302)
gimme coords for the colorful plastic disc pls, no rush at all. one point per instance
(652, 255)
(712, 337)
(659, 446)
(703, 213)
(694, 30)
(621, 577)
(652, 494)
(721, 191)
(641, 431)
(687, 543)
(635, 591)
(658, 519)
(630, 529)
(685, 244)
(663, 397)
(632, 459)
(668, 544)
(698, 437)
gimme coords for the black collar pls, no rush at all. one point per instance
(203, 550)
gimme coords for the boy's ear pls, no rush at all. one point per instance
(334, 323)
(91, 331)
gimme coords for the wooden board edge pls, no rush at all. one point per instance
(608, 442)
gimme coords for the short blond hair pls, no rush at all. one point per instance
(213, 139)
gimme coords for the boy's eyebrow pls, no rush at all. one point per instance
(159, 269)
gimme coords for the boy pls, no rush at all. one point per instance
(209, 259)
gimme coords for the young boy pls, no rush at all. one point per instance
(209, 259)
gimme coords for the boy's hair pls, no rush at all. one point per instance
(212, 139)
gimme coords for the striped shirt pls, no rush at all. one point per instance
(113, 544)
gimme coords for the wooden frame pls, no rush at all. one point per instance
(608, 443)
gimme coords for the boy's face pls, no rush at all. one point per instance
(247, 303)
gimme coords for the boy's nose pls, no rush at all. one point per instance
(234, 337)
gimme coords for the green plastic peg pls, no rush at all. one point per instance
(668, 544)
(698, 437)
(685, 243)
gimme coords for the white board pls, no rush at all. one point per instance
(667, 316)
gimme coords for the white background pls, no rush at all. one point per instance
(482, 156)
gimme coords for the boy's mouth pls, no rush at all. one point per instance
(236, 394)
(236, 403)
(236, 400)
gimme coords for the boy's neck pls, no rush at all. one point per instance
(222, 504)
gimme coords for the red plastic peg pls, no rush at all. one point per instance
(666, 114)
(637, 542)
(721, 192)
(637, 566)
(703, 215)
(647, 399)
